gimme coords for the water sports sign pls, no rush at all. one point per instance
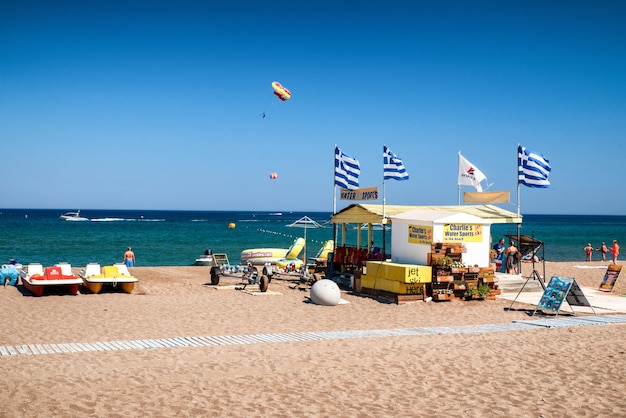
(419, 234)
(462, 232)
(369, 193)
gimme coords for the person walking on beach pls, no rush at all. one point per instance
(129, 257)
(512, 259)
(603, 250)
(615, 251)
(588, 250)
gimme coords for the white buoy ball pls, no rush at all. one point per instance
(325, 292)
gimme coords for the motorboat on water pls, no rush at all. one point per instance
(116, 276)
(205, 259)
(73, 216)
(37, 278)
(273, 255)
(13, 262)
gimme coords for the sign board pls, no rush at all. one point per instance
(370, 193)
(610, 278)
(576, 297)
(462, 233)
(554, 294)
(420, 234)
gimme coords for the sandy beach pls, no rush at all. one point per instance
(542, 372)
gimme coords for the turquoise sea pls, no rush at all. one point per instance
(176, 238)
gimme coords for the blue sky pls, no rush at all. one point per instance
(158, 104)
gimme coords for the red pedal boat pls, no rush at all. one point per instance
(37, 279)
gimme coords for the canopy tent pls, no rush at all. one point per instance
(371, 213)
(305, 222)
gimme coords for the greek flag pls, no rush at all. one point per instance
(393, 167)
(347, 170)
(533, 169)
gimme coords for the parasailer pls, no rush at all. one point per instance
(273, 175)
(281, 92)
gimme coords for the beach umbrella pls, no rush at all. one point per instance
(305, 222)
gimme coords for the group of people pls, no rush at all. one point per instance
(603, 250)
(508, 258)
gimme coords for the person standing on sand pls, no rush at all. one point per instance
(615, 251)
(588, 250)
(499, 249)
(129, 257)
(603, 250)
(512, 258)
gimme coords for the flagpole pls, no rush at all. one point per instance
(458, 185)
(334, 197)
(519, 225)
(518, 193)
(384, 220)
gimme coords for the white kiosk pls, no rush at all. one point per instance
(414, 232)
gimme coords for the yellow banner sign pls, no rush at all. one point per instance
(462, 232)
(370, 193)
(419, 234)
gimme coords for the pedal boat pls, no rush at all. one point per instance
(272, 255)
(36, 279)
(116, 276)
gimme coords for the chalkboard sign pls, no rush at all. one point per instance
(610, 277)
(554, 294)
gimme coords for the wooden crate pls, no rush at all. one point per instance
(442, 296)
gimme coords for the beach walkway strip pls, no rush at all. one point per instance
(223, 340)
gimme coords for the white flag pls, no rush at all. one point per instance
(470, 175)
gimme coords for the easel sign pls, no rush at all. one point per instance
(610, 277)
(576, 297)
(554, 294)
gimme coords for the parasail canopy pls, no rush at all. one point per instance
(281, 92)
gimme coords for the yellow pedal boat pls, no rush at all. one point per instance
(116, 276)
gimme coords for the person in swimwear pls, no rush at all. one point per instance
(129, 257)
(603, 250)
(615, 251)
(512, 259)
